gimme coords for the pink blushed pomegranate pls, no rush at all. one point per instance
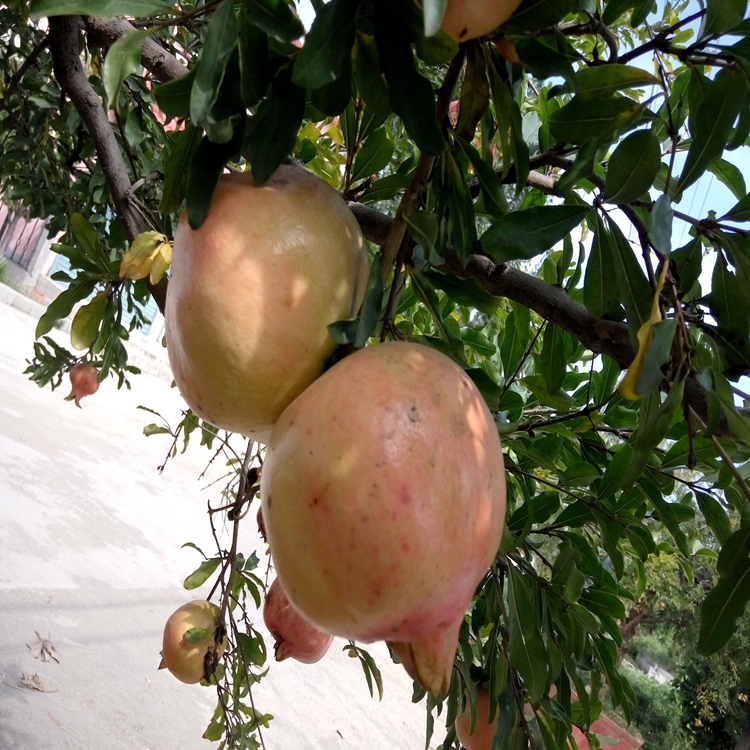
(294, 637)
(484, 732)
(83, 379)
(384, 500)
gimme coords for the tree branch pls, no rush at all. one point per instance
(64, 46)
(104, 32)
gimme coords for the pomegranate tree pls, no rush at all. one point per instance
(383, 500)
(194, 640)
(252, 292)
(83, 381)
(294, 637)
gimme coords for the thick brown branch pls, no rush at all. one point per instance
(64, 46)
(104, 32)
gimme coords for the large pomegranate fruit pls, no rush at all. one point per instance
(192, 662)
(484, 731)
(83, 381)
(383, 494)
(468, 19)
(294, 637)
(252, 292)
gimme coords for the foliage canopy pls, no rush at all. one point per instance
(498, 182)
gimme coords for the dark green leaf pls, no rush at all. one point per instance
(600, 285)
(632, 167)
(543, 61)
(274, 132)
(656, 356)
(173, 97)
(255, 66)
(333, 98)
(369, 79)
(616, 473)
(385, 188)
(465, 292)
(220, 41)
(734, 552)
(722, 15)
(713, 123)
(410, 94)
(205, 169)
(101, 8)
(328, 45)
(722, 607)
(603, 603)
(602, 81)
(84, 329)
(688, 260)
(454, 201)
(374, 155)
(532, 15)
(177, 168)
(581, 168)
(715, 516)
(728, 301)
(492, 189)
(475, 93)
(616, 8)
(552, 360)
(731, 176)
(275, 17)
(525, 234)
(582, 119)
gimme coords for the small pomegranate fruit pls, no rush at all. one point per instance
(192, 662)
(294, 636)
(484, 731)
(252, 292)
(469, 19)
(383, 494)
(83, 379)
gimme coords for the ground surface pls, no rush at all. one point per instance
(90, 558)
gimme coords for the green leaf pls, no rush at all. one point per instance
(475, 93)
(582, 119)
(202, 574)
(455, 203)
(410, 94)
(123, 58)
(328, 45)
(526, 648)
(466, 292)
(101, 8)
(634, 291)
(275, 17)
(177, 168)
(602, 81)
(492, 189)
(739, 212)
(727, 301)
(715, 516)
(205, 169)
(734, 552)
(600, 285)
(713, 124)
(731, 176)
(602, 603)
(88, 239)
(220, 41)
(632, 167)
(370, 80)
(173, 97)
(385, 188)
(374, 156)
(552, 360)
(63, 305)
(196, 635)
(722, 607)
(541, 60)
(660, 225)
(333, 98)
(656, 356)
(688, 260)
(255, 65)
(722, 15)
(84, 329)
(525, 234)
(532, 15)
(616, 472)
(274, 131)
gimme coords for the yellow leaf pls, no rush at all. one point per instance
(161, 262)
(84, 329)
(136, 263)
(645, 336)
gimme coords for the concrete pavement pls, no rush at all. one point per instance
(90, 557)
